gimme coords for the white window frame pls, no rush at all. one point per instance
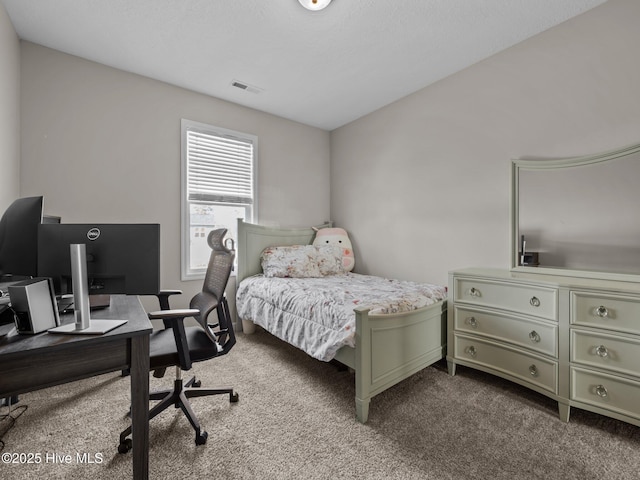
(188, 273)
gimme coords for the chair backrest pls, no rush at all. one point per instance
(216, 277)
(220, 264)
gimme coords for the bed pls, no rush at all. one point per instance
(385, 347)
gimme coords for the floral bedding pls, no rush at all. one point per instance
(316, 314)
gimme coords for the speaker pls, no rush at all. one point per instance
(34, 305)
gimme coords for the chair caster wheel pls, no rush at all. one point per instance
(234, 397)
(196, 384)
(125, 445)
(201, 439)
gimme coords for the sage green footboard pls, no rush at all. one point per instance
(390, 348)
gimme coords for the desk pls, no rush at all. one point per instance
(32, 362)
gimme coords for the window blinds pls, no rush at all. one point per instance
(219, 168)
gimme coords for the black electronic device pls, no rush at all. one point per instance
(19, 238)
(120, 258)
(97, 260)
(18, 248)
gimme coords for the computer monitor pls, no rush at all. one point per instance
(19, 238)
(120, 258)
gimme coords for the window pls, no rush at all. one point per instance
(218, 187)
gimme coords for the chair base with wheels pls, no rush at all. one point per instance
(178, 396)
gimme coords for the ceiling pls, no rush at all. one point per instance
(323, 69)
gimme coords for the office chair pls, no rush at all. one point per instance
(180, 346)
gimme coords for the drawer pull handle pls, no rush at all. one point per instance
(472, 322)
(602, 351)
(471, 351)
(601, 391)
(602, 311)
(474, 292)
(535, 302)
(533, 371)
(534, 336)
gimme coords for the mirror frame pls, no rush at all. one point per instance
(541, 163)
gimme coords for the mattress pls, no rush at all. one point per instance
(317, 314)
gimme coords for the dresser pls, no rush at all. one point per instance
(575, 340)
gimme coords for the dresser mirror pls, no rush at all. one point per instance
(577, 216)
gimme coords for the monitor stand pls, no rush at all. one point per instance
(84, 324)
(96, 327)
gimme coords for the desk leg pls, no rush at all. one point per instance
(140, 405)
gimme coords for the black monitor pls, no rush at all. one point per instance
(19, 238)
(121, 258)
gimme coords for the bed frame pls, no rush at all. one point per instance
(389, 348)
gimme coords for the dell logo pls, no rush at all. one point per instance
(93, 234)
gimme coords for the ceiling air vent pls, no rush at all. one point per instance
(246, 87)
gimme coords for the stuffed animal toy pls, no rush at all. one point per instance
(339, 237)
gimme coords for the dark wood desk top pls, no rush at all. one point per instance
(31, 362)
(125, 307)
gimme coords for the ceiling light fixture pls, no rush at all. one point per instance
(314, 5)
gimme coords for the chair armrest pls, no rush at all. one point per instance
(180, 314)
(163, 300)
(169, 291)
(163, 297)
(174, 319)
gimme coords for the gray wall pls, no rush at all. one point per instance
(9, 112)
(423, 184)
(103, 145)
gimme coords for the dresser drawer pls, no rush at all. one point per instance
(531, 368)
(606, 391)
(618, 353)
(524, 332)
(515, 297)
(613, 312)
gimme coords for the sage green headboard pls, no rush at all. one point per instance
(253, 239)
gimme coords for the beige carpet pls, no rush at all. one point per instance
(295, 420)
